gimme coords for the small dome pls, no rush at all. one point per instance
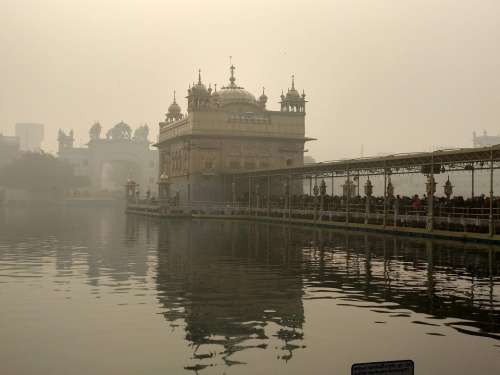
(174, 108)
(293, 94)
(199, 88)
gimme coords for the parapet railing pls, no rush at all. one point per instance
(454, 219)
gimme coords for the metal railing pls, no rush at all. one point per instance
(454, 219)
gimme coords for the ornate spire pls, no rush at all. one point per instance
(293, 81)
(232, 79)
(174, 97)
(263, 98)
(199, 76)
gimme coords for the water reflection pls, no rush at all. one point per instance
(442, 279)
(228, 282)
(235, 288)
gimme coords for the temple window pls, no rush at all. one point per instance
(234, 164)
(249, 164)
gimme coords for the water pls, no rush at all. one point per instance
(86, 290)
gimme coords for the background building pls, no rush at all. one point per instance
(227, 131)
(485, 140)
(108, 162)
(9, 149)
(30, 136)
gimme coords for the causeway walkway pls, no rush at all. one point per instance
(464, 229)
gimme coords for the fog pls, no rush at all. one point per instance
(393, 76)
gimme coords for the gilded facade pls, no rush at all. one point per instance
(227, 131)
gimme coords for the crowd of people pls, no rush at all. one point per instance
(404, 204)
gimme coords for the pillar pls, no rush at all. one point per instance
(268, 200)
(322, 191)
(368, 194)
(257, 196)
(491, 222)
(431, 189)
(316, 193)
(285, 196)
(384, 219)
(396, 211)
(472, 181)
(249, 194)
(164, 192)
(348, 196)
(331, 208)
(233, 192)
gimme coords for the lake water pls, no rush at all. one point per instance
(92, 291)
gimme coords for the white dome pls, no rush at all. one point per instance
(235, 95)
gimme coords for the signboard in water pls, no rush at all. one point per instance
(383, 368)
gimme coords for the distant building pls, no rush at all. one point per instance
(227, 131)
(9, 149)
(108, 162)
(30, 136)
(485, 139)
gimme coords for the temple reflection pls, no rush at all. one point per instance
(228, 282)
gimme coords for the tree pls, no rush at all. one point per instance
(40, 172)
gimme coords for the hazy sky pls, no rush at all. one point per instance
(393, 75)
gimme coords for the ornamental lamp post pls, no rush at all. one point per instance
(390, 188)
(448, 188)
(164, 190)
(285, 193)
(316, 190)
(368, 192)
(430, 186)
(130, 190)
(316, 193)
(322, 191)
(368, 188)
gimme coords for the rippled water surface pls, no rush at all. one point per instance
(91, 291)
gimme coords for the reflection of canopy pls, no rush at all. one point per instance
(217, 278)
